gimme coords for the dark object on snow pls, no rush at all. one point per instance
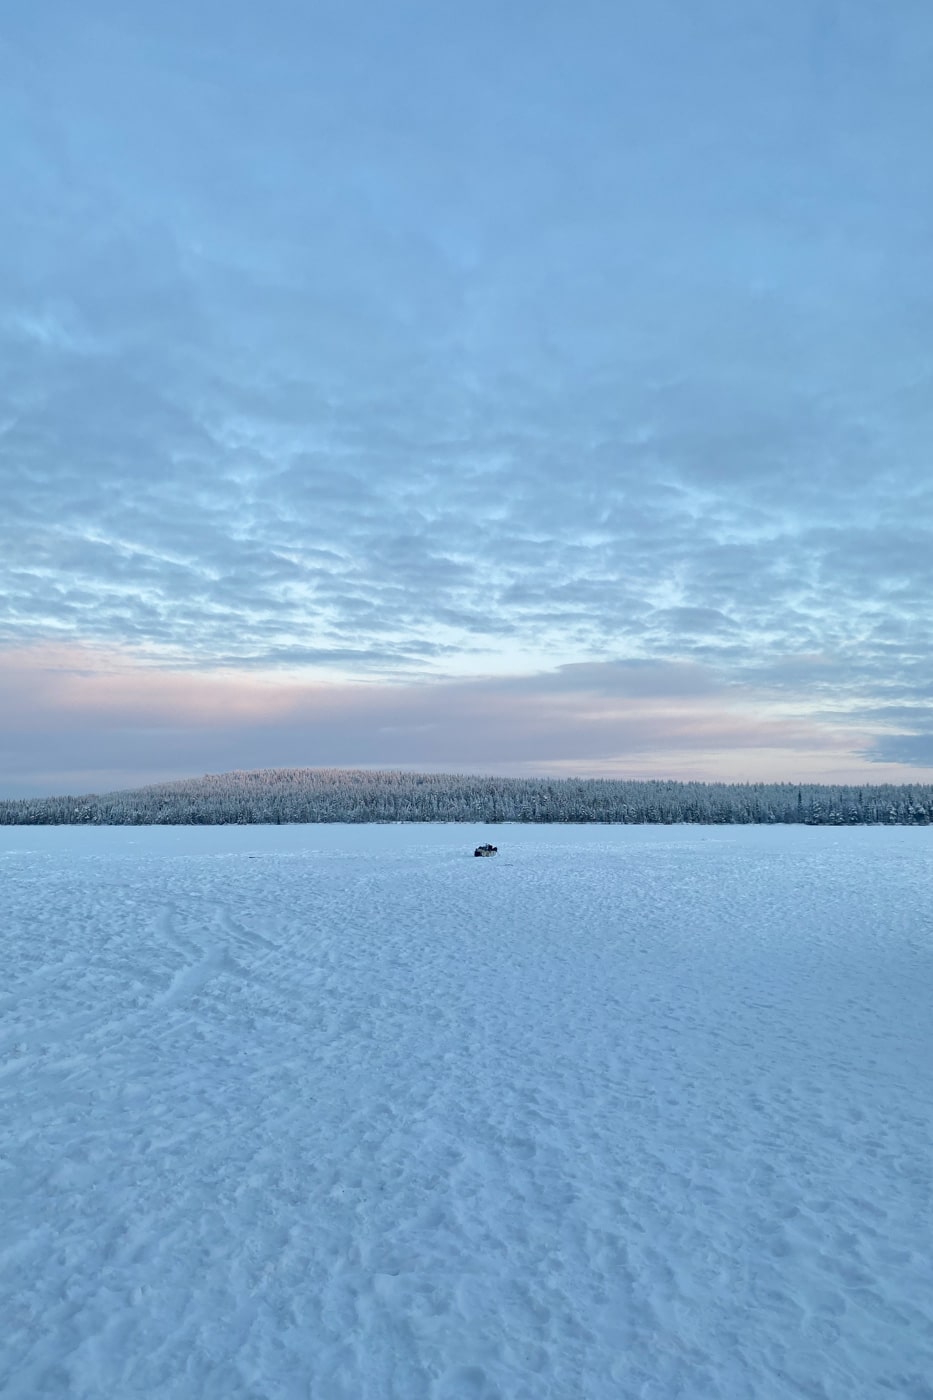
(486, 850)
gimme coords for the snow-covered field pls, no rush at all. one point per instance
(341, 1112)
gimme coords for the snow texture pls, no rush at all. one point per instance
(344, 1113)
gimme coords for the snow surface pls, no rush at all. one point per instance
(344, 1112)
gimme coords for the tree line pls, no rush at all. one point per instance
(284, 795)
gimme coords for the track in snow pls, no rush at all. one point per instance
(343, 1112)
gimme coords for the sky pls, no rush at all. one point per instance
(504, 387)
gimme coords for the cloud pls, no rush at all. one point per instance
(73, 719)
(913, 751)
(402, 352)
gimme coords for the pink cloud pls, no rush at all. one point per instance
(76, 717)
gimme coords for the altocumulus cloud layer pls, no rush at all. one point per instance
(516, 386)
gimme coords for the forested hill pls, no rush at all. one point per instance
(349, 795)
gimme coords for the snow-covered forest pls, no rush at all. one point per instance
(282, 795)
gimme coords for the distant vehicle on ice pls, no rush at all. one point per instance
(486, 850)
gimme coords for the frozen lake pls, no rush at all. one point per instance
(341, 1113)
